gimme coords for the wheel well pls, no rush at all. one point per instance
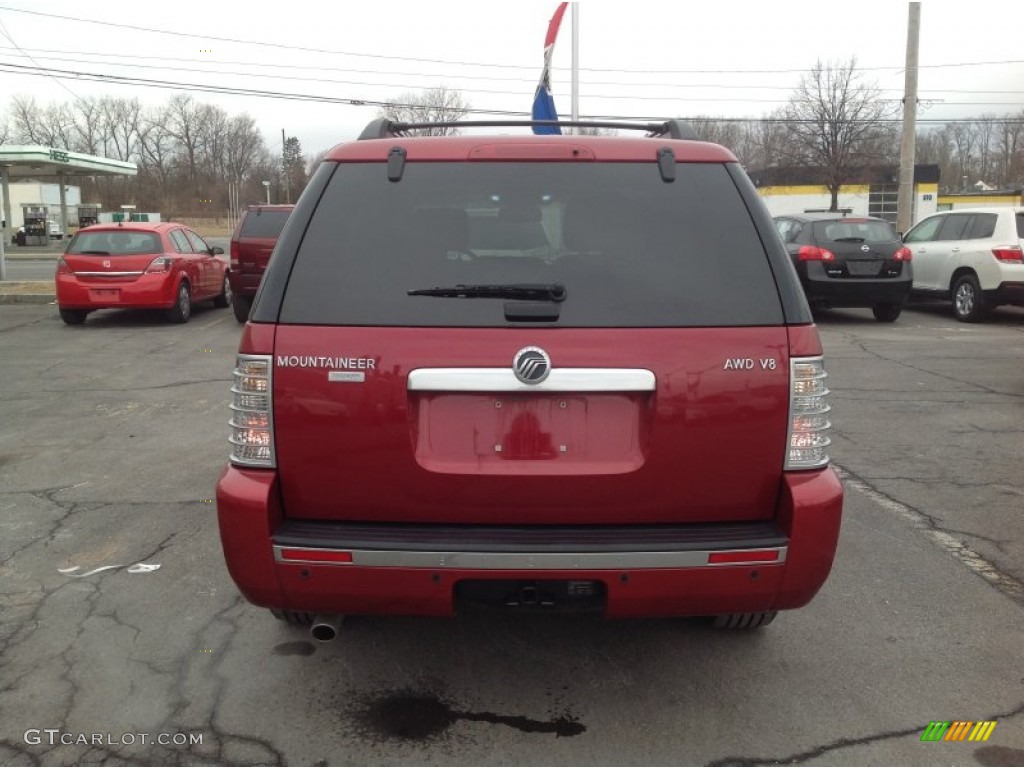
(960, 273)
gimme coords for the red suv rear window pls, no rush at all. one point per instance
(264, 223)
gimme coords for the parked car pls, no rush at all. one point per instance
(56, 233)
(972, 257)
(139, 266)
(252, 242)
(846, 261)
(536, 372)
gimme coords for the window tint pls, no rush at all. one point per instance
(263, 223)
(630, 249)
(925, 231)
(114, 243)
(953, 227)
(181, 244)
(854, 231)
(982, 225)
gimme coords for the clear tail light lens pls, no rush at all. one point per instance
(252, 422)
(158, 265)
(808, 414)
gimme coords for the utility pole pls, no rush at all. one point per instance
(908, 142)
(284, 168)
(575, 62)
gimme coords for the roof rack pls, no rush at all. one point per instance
(383, 128)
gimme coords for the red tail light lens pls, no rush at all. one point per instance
(160, 264)
(1012, 253)
(63, 268)
(903, 254)
(813, 253)
(236, 256)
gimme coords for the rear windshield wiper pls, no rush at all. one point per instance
(532, 291)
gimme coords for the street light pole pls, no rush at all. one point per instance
(266, 185)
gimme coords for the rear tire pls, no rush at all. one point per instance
(969, 302)
(224, 298)
(296, 618)
(887, 312)
(73, 316)
(241, 305)
(745, 620)
(182, 309)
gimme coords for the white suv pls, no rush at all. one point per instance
(972, 256)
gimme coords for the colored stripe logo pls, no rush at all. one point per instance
(958, 730)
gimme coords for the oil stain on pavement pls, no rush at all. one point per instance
(411, 716)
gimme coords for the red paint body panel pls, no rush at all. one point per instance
(252, 253)
(599, 148)
(707, 444)
(809, 510)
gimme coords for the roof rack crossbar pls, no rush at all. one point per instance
(383, 128)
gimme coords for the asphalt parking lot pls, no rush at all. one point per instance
(113, 435)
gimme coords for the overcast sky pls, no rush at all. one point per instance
(637, 59)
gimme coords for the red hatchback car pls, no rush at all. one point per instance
(535, 372)
(139, 266)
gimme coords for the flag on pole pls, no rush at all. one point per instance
(543, 101)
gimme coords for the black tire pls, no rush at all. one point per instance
(223, 299)
(297, 618)
(745, 620)
(73, 316)
(241, 305)
(887, 312)
(182, 309)
(969, 302)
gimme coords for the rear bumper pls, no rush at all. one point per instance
(244, 283)
(854, 292)
(1010, 293)
(156, 291)
(279, 564)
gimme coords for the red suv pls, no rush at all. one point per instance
(537, 372)
(252, 242)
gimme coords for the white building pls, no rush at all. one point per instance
(36, 193)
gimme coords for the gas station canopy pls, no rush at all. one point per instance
(29, 162)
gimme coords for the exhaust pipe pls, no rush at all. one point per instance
(326, 626)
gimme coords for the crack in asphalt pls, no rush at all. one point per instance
(1006, 583)
(810, 754)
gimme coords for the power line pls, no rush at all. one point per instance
(263, 75)
(335, 52)
(7, 34)
(313, 98)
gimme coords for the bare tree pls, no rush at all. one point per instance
(838, 122)
(88, 125)
(440, 104)
(964, 137)
(243, 148)
(1010, 145)
(27, 120)
(183, 122)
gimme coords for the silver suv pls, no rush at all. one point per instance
(973, 257)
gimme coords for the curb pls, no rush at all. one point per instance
(28, 298)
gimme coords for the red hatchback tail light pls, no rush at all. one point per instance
(1011, 253)
(63, 268)
(160, 264)
(813, 253)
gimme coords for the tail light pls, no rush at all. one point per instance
(252, 423)
(160, 264)
(1011, 253)
(236, 255)
(63, 268)
(808, 414)
(903, 254)
(814, 253)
